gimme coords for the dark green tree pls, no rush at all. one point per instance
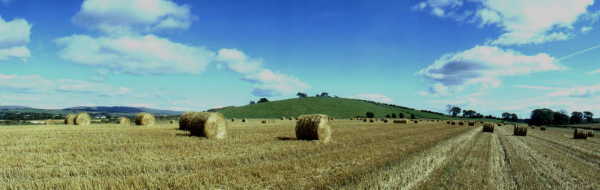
(589, 116)
(370, 115)
(541, 117)
(576, 117)
(301, 95)
(263, 100)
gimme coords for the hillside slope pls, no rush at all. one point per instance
(334, 107)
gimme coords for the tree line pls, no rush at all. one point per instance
(549, 117)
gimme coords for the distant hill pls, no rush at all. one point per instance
(13, 107)
(118, 110)
(334, 107)
(121, 109)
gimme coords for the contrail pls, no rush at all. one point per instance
(578, 53)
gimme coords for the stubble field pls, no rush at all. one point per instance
(267, 156)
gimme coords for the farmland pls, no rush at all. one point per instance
(258, 156)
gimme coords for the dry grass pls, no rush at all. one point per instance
(162, 157)
(267, 156)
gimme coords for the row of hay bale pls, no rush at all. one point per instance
(582, 133)
(78, 119)
(519, 130)
(488, 127)
(142, 119)
(213, 126)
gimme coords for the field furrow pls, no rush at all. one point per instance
(416, 168)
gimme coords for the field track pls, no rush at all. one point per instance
(255, 156)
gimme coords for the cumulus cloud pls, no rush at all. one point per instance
(119, 17)
(37, 84)
(374, 97)
(14, 37)
(269, 83)
(150, 54)
(238, 61)
(127, 45)
(146, 54)
(484, 65)
(586, 29)
(523, 22)
(578, 92)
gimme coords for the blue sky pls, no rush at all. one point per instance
(491, 56)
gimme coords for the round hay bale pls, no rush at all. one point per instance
(471, 123)
(211, 125)
(172, 122)
(488, 127)
(415, 121)
(543, 128)
(313, 127)
(401, 121)
(185, 120)
(371, 120)
(385, 120)
(70, 119)
(145, 119)
(461, 123)
(365, 120)
(83, 119)
(520, 130)
(124, 121)
(263, 121)
(590, 133)
(580, 134)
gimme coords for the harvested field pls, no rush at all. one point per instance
(267, 156)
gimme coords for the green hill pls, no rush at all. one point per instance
(334, 107)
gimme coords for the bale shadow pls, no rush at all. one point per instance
(287, 138)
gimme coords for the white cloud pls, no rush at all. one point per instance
(537, 87)
(238, 61)
(147, 54)
(269, 83)
(374, 97)
(483, 65)
(578, 92)
(124, 48)
(14, 37)
(586, 29)
(594, 72)
(523, 22)
(34, 84)
(122, 17)
(150, 54)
